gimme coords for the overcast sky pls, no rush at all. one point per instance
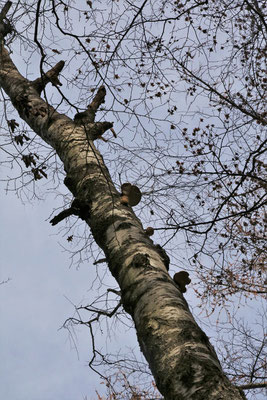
(37, 359)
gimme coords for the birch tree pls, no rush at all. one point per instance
(180, 356)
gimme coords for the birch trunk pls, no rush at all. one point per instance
(182, 360)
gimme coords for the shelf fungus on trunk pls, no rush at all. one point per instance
(130, 194)
(149, 231)
(182, 279)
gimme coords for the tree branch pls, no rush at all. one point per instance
(50, 76)
(250, 386)
(88, 116)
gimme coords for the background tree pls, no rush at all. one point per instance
(187, 82)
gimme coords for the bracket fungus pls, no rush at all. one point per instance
(149, 231)
(130, 194)
(182, 279)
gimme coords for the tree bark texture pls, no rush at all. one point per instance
(182, 360)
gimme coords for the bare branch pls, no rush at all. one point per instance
(253, 386)
(50, 76)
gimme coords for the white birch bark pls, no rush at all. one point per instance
(182, 360)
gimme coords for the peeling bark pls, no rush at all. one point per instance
(179, 354)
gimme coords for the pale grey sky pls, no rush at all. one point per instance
(38, 362)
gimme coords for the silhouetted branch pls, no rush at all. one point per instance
(50, 76)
